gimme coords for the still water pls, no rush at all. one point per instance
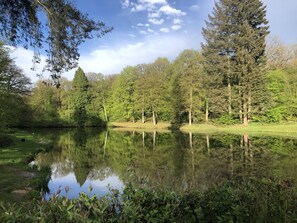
(104, 160)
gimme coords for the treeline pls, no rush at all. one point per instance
(174, 92)
(161, 91)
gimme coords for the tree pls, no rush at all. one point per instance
(44, 104)
(64, 30)
(234, 55)
(278, 55)
(123, 107)
(100, 87)
(80, 87)
(14, 81)
(13, 87)
(141, 91)
(157, 91)
(188, 66)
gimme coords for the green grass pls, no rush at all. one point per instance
(288, 130)
(15, 173)
(139, 125)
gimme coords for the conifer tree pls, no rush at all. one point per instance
(80, 97)
(234, 56)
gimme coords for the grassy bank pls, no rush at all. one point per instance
(289, 130)
(15, 173)
(139, 125)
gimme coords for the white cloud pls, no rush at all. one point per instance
(23, 59)
(176, 27)
(168, 10)
(177, 21)
(165, 30)
(125, 3)
(154, 15)
(143, 32)
(138, 8)
(150, 30)
(153, 2)
(113, 60)
(143, 25)
(195, 8)
(156, 21)
(157, 11)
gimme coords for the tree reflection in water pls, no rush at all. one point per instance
(171, 160)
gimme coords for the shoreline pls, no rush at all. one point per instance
(286, 129)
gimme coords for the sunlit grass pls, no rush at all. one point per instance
(289, 130)
(139, 125)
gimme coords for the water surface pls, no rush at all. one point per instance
(102, 160)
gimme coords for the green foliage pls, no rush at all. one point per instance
(122, 99)
(14, 86)
(234, 57)
(227, 119)
(253, 201)
(66, 28)
(80, 97)
(189, 84)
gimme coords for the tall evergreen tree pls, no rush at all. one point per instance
(234, 56)
(80, 97)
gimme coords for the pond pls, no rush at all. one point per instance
(95, 161)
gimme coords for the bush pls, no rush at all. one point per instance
(263, 200)
(227, 119)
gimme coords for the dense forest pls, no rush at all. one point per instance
(240, 75)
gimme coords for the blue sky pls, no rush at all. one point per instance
(147, 29)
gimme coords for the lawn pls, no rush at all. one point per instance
(288, 130)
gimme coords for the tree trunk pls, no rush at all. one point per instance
(191, 106)
(245, 115)
(142, 116)
(240, 107)
(105, 112)
(250, 107)
(229, 97)
(206, 111)
(229, 88)
(154, 118)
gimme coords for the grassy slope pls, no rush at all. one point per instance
(15, 173)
